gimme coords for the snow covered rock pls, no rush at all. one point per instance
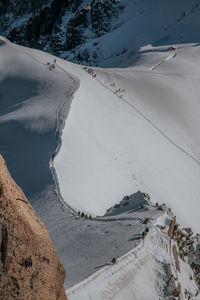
(129, 203)
(58, 26)
(29, 265)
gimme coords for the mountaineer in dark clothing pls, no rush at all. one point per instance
(113, 260)
(145, 233)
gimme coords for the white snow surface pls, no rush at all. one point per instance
(144, 136)
(34, 102)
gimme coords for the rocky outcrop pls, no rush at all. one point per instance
(177, 291)
(186, 246)
(29, 265)
(135, 201)
(171, 228)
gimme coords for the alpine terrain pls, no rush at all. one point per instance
(99, 125)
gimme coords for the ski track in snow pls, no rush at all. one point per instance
(171, 56)
(150, 122)
(58, 132)
(187, 75)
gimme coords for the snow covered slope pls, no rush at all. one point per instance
(34, 102)
(135, 129)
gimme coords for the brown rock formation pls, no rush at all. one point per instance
(171, 228)
(29, 265)
(177, 291)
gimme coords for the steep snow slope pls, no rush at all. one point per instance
(135, 128)
(34, 103)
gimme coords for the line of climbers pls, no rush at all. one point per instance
(83, 215)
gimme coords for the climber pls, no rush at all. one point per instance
(113, 260)
(144, 233)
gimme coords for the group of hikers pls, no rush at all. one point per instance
(144, 233)
(83, 215)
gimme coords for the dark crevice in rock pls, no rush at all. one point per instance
(4, 243)
(1, 191)
(27, 262)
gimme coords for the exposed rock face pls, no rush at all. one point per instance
(171, 228)
(177, 291)
(29, 265)
(187, 247)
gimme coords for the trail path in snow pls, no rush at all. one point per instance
(171, 56)
(74, 85)
(150, 122)
(187, 75)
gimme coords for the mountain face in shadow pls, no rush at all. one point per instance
(99, 33)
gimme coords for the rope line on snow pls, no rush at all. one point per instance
(151, 123)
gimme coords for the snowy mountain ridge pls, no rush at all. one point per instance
(99, 33)
(152, 270)
(85, 138)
